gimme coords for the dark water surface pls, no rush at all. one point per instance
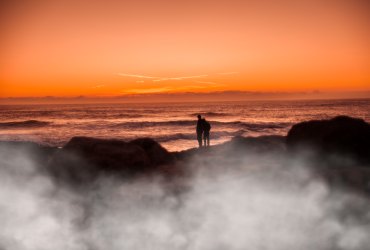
(171, 124)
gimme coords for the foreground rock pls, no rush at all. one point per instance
(83, 159)
(340, 135)
(342, 147)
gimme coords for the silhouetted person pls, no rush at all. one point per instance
(199, 130)
(206, 129)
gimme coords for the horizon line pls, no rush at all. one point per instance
(219, 96)
(192, 93)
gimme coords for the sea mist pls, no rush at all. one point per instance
(253, 201)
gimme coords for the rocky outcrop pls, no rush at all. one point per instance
(342, 135)
(83, 159)
(236, 147)
(154, 151)
(342, 145)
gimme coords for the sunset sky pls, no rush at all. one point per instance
(107, 48)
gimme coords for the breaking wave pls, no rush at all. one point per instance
(210, 114)
(247, 125)
(192, 136)
(23, 124)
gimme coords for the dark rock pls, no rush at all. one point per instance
(83, 159)
(156, 153)
(258, 144)
(342, 135)
(356, 178)
(236, 147)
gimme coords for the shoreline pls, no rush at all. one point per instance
(336, 149)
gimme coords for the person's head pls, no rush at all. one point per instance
(199, 117)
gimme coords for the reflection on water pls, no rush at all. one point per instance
(171, 124)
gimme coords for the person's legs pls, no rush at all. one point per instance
(206, 139)
(199, 137)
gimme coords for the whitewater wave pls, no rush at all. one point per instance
(23, 124)
(262, 126)
(192, 136)
(154, 123)
(210, 114)
(247, 125)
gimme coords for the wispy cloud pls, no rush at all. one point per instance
(189, 77)
(138, 76)
(173, 89)
(190, 87)
(227, 73)
(211, 84)
(163, 89)
(147, 90)
(98, 86)
(206, 82)
(179, 78)
(160, 78)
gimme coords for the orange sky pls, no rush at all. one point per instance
(111, 48)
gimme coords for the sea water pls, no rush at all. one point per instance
(171, 124)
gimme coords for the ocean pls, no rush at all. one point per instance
(171, 124)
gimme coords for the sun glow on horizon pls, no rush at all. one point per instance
(111, 48)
